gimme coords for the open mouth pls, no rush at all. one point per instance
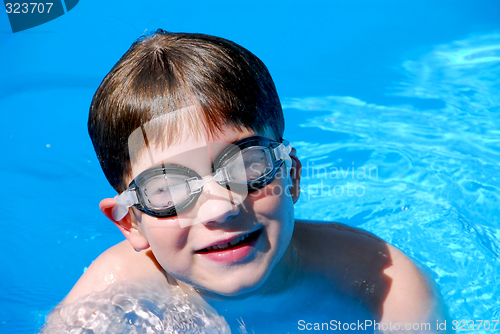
(236, 243)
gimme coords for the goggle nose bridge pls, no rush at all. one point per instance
(195, 184)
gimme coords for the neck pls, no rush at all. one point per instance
(283, 276)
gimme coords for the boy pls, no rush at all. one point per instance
(188, 129)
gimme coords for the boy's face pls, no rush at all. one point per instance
(258, 229)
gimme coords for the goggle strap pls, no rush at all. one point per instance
(124, 201)
(282, 152)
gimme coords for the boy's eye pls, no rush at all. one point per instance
(257, 162)
(161, 190)
(249, 164)
(164, 192)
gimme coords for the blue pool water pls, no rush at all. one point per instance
(436, 194)
(393, 107)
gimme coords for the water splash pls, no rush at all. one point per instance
(148, 308)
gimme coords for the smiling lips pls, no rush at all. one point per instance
(231, 251)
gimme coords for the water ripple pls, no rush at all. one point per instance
(436, 195)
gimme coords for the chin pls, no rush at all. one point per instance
(236, 288)
(230, 293)
(240, 290)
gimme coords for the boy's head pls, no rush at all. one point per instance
(195, 123)
(167, 72)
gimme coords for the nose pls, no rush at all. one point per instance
(217, 204)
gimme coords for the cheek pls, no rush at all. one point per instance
(168, 243)
(274, 199)
(274, 205)
(163, 231)
(168, 238)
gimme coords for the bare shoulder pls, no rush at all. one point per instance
(119, 263)
(366, 267)
(356, 250)
(410, 298)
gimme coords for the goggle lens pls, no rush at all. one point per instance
(165, 191)
(257, 162)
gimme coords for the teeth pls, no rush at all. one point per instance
(225, 245)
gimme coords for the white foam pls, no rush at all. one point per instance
(134, 309)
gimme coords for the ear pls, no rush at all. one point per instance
(127, 225)
(295, 175)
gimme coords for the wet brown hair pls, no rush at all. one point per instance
(164, 72)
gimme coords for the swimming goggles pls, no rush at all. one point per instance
(168, 190)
